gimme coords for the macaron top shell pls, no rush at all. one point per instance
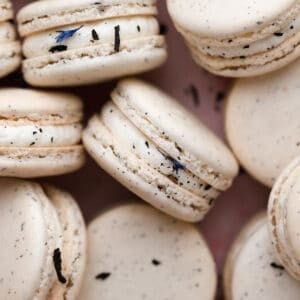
(252, 270)
(29, 230)
(33, 105)
(135, 250)
(41, 15)
(262, 122)
(176, 131)
(211, 18)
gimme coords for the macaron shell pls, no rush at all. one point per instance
(6, 11)
(73, 244)
(283, 215)
(249, 229)
(42, 15)
(214, 19)
(10, 57)
(42, 106)
(123, 257)
(172, 128)
(7, 32)
(96, 63)
(10, 50)
(253, 272)
(29, 232)
(40, 162)
(141, 178)
(254, 122)
(259, 64)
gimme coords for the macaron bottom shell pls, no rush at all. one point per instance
(255, 65)
(39, 162)
(73, 248)
(95, 63)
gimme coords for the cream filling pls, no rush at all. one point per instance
(132, 138)
(39, 136)
(260, 46)
(90, 34)
(7, 32)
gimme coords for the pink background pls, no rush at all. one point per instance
(95, 190)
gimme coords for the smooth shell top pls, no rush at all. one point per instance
(135, 250)
(176, 125)
(41, 15)
(255, 272)
(262, 122)
(38, 105)
(219, 18)
(24, 236)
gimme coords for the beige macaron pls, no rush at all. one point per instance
(262, 122)
(43, 255)
(239, 38)
(138, 253)
(252, 270)
(160, 151)
(40, 133)
(284, 218)
(79, 42)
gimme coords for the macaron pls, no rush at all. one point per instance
(83, 41)
(160, 151)
(10, 49)
(252, 271)
(284, 221)
(242, 38)
(262, 122)
(40, 133)
(43, 253)
(137, 251)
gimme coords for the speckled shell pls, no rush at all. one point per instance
(283, 212)
(136, 251)
(45, 242)
(262, 122)
(252, 270)
(26, 148)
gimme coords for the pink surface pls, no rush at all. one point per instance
(94, 189)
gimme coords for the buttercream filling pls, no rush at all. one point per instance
(110, 31)
(133, 139)
(249, 49)
(39, 136)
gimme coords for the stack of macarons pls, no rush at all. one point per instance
(239, 38)
(10, 49)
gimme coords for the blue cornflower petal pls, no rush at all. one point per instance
(65, 34)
